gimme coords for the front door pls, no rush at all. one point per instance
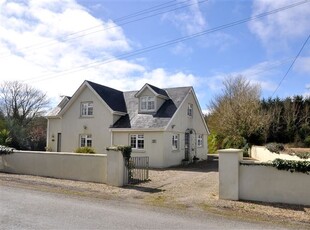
(58, 142)
(187, 145)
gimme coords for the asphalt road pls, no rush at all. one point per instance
(27, 209)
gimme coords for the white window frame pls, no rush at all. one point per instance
(200, 140)
(175, 141)
(87, 138)
(190, 110)
(138, 139)
(147, 103)
(87, 109)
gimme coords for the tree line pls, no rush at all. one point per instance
(239, 118)
(22, 125)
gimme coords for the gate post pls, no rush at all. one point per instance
(229, 173)
(115, 167)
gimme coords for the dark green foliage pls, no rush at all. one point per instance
(5, 150)
(292, 166)
(126, 151)
(303, 155)
(236, 142)
(307, 141)
(275, 147)
(85, 150)
(289, 120)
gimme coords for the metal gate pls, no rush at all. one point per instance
(136, 170)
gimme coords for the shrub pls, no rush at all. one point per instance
(5, 150)
(303, 155)
(275, 147)
(212, 143)
(307, 141)
(237, 142)
(292, 166)
(85, 150)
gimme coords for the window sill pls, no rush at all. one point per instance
(138, 150)
(82, 117)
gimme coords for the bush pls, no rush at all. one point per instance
(212, 143)
(303, 155)
(5, 150)
(237, 142)
(292, 166)
(275, 147)
(307, 141)
(85, 150)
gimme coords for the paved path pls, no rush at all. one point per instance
(27, 209)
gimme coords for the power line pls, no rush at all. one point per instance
(302, 47)
(149, 10)
(164, 44)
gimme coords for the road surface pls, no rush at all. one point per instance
(27, 209)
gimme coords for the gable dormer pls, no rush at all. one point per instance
(151, 98)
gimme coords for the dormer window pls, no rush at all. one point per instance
(147, 103)
(87, 109)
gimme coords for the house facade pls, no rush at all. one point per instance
(165, 124)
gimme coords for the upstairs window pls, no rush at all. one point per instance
(87, 109)
(85, 140)
(147, 103)
(190, 110)
(137, 141)
(175, 142)
(200, 140)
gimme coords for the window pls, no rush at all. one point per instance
(200, 140)
(85, 140)
(190, 110)
(87, 109)
(175, 142)
(137, 141)
(147, 103)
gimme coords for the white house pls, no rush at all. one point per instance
(165, 124)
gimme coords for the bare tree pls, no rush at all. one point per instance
(20, 104)
(236, 112)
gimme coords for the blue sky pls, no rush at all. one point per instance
(51, 44)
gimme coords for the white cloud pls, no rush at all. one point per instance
(35, 49)
(303, 65)
(281, 27)
(189, 21)
(257, 74)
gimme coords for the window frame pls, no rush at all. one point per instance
(190, 109)
(200, 140)
(146, 102)
(87, 137)
(87, 106)
(175, 142)
(138, 137)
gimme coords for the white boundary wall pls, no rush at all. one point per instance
(262, 154)
(72, 166)
(260, 183)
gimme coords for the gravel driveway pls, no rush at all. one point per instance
(193, 187)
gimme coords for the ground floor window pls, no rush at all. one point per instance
(85, 140)
(175, 141)
(200, 140)
(137, 141)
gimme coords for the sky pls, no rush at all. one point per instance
(54, 45)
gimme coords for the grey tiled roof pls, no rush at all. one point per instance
(127, 102)
(159, 120)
